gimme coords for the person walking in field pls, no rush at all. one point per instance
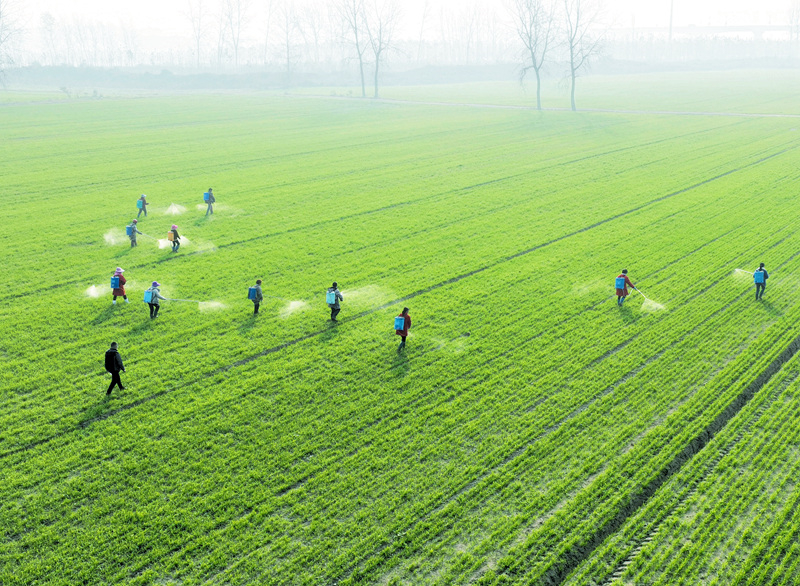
(622, 282)
(114, 366)
(153, 299)
(332, 297)
(259, 297)
(132, 231)
(119, 290)
(760, 277)
(176, 239)
(402, 323)
(141, 203)
(211, 200)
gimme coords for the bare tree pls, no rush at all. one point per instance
(9, 29)
(425, 13)
(48, 23)
(236, 21)
(580, 16)
(533, 23)
(794, 21)
(354, 15)
(267, 30)
(312, 16)
(382, 17)
(196, 16)
(288, 28)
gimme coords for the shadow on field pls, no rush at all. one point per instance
(400, 363)
(145, 324)
(105, 315)
(202, 220)
(331, 333)
(97, 410)
(627, 315)
(770, 309)
(123, 253)
(248, 324)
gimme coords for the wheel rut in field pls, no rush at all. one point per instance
(579, 553)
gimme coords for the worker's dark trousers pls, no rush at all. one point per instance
(140, 212)
(255, 310)
(115, 380)
(115, 297)
(133, 243)
(760, 290)
(334, 312)
(402, 344)
(153, 310)
(620, 300)
(210, 209)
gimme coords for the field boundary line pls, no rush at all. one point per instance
(634, 112)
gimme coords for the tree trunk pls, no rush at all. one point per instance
(377, 67)
(538, 90)
(572, 92)
(363, 82)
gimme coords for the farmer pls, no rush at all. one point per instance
(120, 290)
(133, 232)
(622, 282)
(176, 239)
(259, 297)
(114, 366)
(404, 332)
(143, 208)
(336, 298)
(760, 277)
(154, 299)
(211, 200)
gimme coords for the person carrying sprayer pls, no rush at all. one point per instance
(209, 198)
(113, 364)
(401, 324)
(118, 286)
(760, 276)
(141, 204)
(332, 297)
(174, 237)
(256, 295)
(131, 230)
(621, 283)
(152, 297)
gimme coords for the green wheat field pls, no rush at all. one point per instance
(532, 432)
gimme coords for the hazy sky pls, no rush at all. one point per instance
(168, 15)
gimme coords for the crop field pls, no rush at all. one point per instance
(532, 432)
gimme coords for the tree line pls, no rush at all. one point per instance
(545, 38)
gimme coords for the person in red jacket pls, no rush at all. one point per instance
(404, 332)
(119, 291)
(622, 292)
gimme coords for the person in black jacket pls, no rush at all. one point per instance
(114, 366)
